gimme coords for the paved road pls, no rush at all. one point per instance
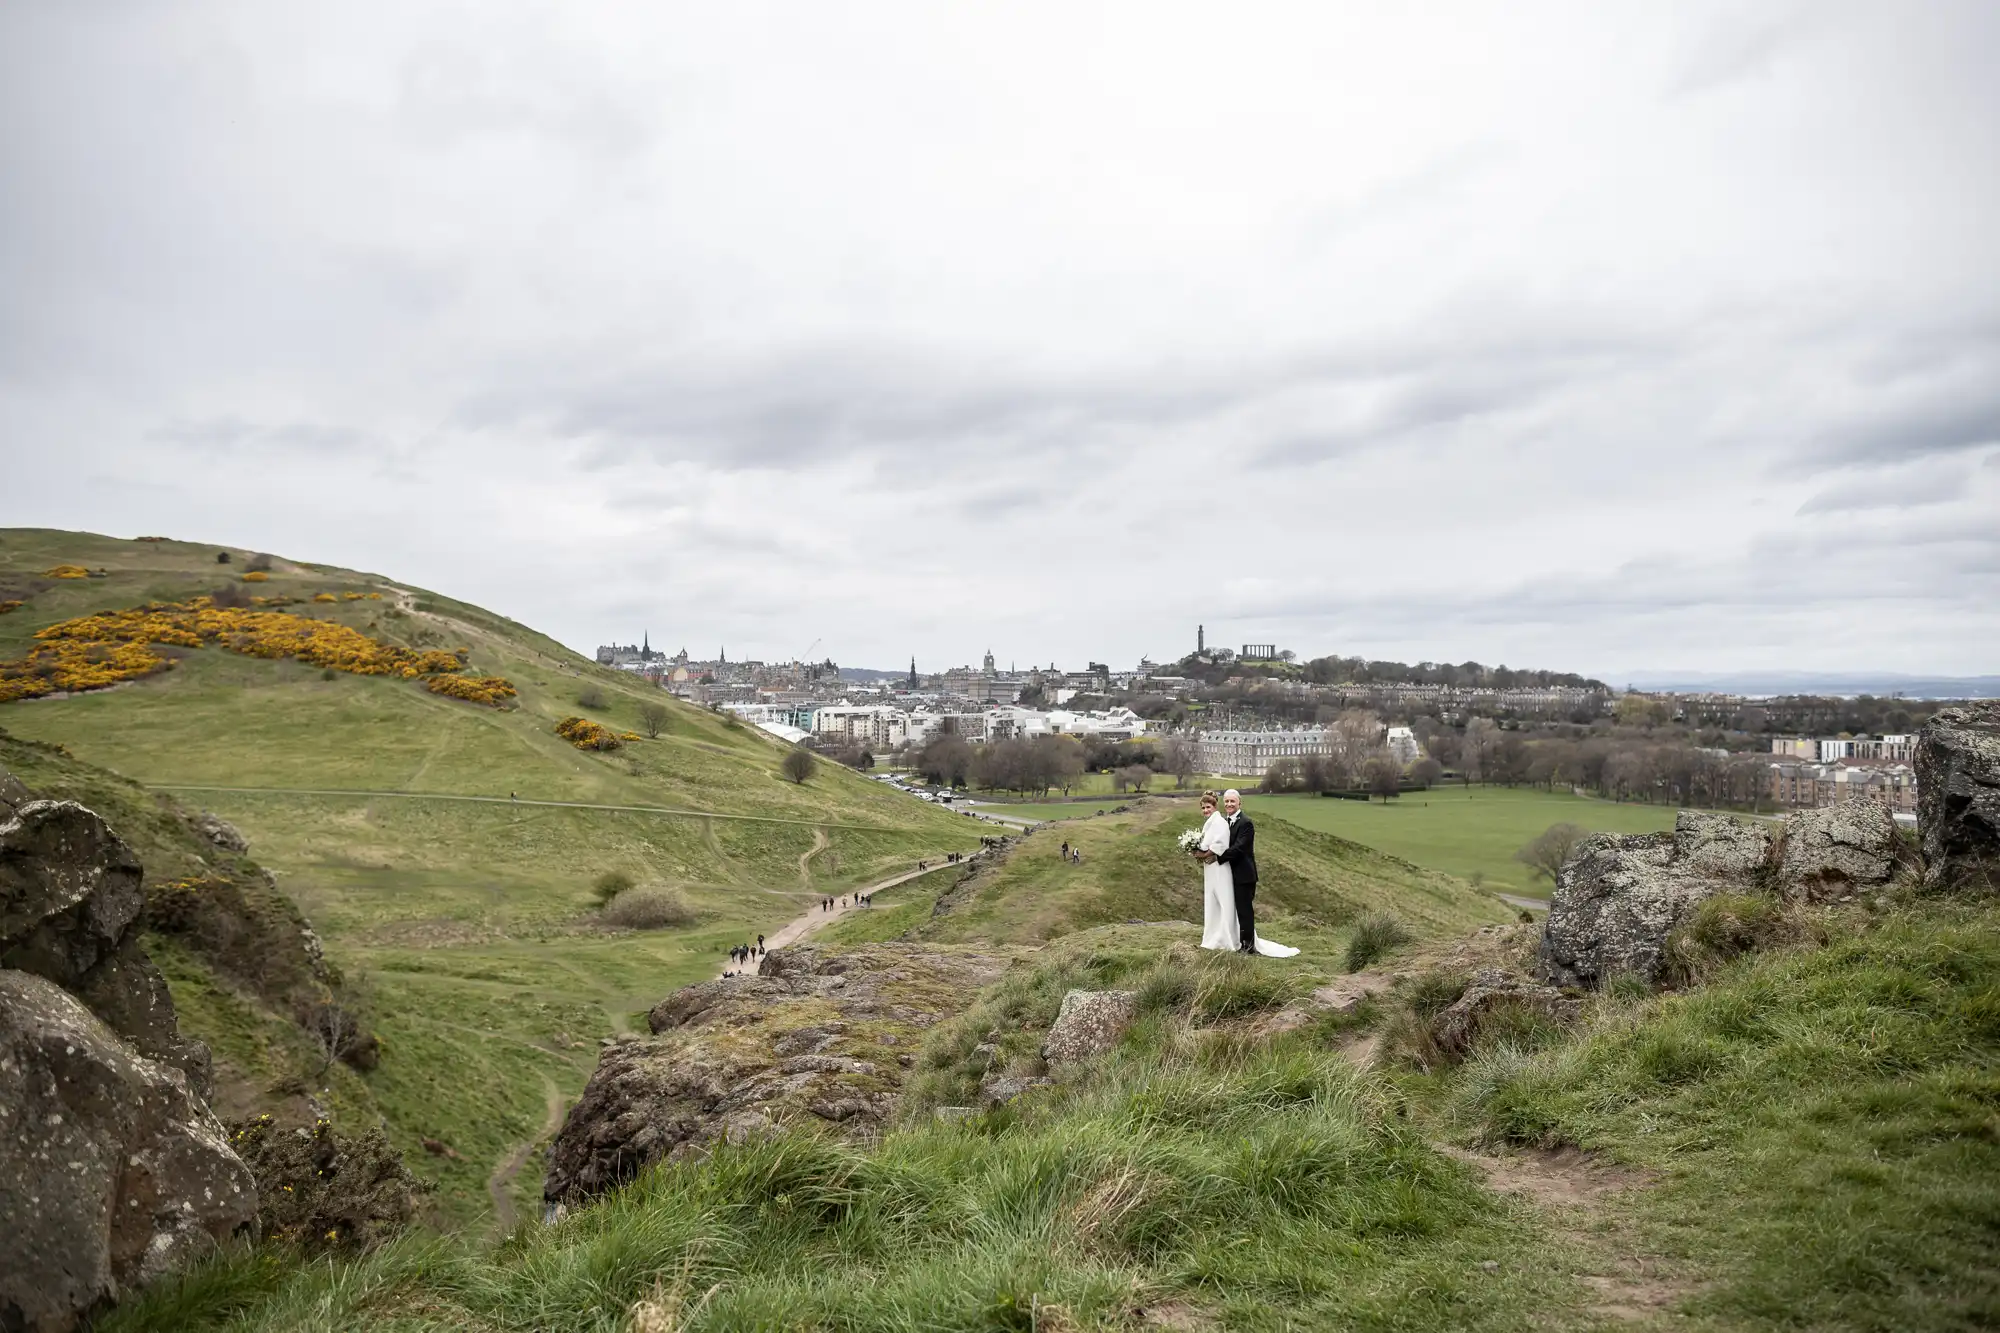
(671, 811)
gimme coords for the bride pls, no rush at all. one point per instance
(1218, 888)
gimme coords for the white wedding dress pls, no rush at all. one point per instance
(1219, 928)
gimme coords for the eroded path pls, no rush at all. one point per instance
(1579, 1193)
(499, 1184)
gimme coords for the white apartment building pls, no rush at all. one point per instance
(877, 725)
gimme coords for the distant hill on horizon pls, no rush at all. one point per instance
(1848, 683)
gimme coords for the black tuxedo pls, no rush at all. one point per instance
(1241, 858)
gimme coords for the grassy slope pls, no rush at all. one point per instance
(257, 1046)
(1817, 1124)
(1311, 884)
(1466, 831)
(467, 921)
(1823, 1122)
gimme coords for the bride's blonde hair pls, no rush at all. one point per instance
(1211, 798)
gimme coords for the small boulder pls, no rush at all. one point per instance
(1089, 1023)
(999, 1089)
(1496, 997)
(1958, 797)
(112, 1171)
(1830, 851)
(219, 831)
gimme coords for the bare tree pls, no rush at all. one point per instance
(1138, 775)
(1425, 772)
(1181, 758)
(653, 717)
(1550, 848)
(800, 765)
(1383, 775)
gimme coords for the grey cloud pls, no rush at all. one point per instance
(1892, 488)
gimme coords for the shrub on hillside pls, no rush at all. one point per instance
(1374, 936)
(258, 564)
(653, 719)
(324, 597)
(12, 605)
(590, 697)
(493, 691)
(96, 651)
(800, 765)
(256, 576)
(650, 907)
(610, 884)
(67, 572)
(587, 735)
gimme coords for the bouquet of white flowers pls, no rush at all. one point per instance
(1190, 841)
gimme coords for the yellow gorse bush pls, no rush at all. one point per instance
(5, 607)
(324, 597)
(68, 572)
(256, 576)
(587, 735)
(494, 691)
(95, 651)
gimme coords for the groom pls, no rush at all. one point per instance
(1241, 858)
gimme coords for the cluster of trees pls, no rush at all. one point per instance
(1465, 675)
(1618, 767)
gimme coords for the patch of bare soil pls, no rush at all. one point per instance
(1579, 1191)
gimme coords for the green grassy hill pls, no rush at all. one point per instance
(1805, 1141)
(1312, 885)
(468, 921)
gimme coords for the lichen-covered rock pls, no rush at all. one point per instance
(803, 1044)
(1497, 998)
(112, 1171)
(1619, 896)
(1833, 850)
(70, 898)
(1711, 844)
(1089, 1023)
(1958, 797)
(219, 831)
(999, 1089)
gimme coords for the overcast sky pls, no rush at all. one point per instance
(1588, 336)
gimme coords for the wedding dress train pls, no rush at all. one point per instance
(1219, 928)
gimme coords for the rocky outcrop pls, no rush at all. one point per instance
(1497, 1000)
(1619, 897)
(70, 900)
(112, 1170)
(1828, 853)
(1958, 797)
(821, 1039)
(1088, 1024)
(219, 831)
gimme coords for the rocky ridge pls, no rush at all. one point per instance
(1620, 896)
(821, 1038)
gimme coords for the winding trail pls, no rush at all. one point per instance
(504, 1216)
(814, 918)
(674, 812)
(820, 844)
